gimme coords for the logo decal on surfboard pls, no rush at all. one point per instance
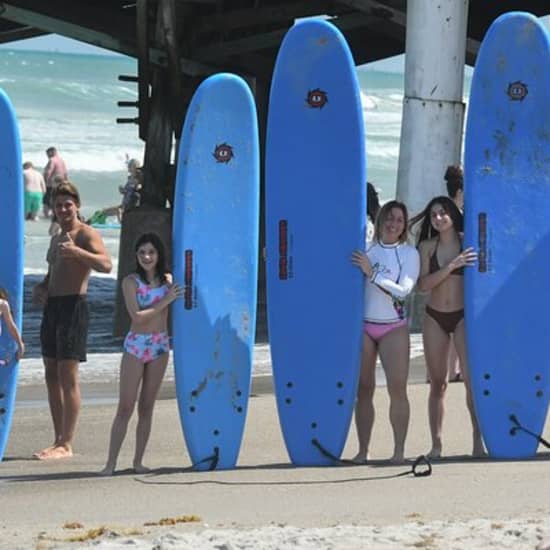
(517, 91)
(317, 98)
(223, 153)
(188, 290)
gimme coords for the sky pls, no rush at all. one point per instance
(56, 43)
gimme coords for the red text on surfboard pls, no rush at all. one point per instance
(188, 280)
(283, 250)
(482, 242)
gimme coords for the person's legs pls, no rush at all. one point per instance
(459, 338)
(27, 199)
(436, 350)
(453, 363)
(46, 209)
(55, 401)
(34, 205)
(152, 379)
(364, 408)
(394, 350)
(131, 374)
(67, 370)
(66, 323)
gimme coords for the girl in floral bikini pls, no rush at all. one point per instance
(148, 293)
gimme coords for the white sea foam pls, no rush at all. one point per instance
(368, 102)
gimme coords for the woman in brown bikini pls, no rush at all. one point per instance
(442, 263)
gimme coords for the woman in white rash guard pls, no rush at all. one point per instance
(391, 268)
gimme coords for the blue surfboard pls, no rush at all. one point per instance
(215, 240)
(11, 265)
(507, 220)
(315, 218)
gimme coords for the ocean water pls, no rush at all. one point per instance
(70, 101)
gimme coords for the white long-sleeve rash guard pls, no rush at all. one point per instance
(395, 271)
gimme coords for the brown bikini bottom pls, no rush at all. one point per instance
(447, 320)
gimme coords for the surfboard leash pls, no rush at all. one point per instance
(213, 459)
(518, 427)
(421, 460)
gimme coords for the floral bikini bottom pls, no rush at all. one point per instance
(147, 347)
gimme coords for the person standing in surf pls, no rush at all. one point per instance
(54, 172)
(73, 253)
(442, 261)
(148, 293)
(390, 266)
(34, 189)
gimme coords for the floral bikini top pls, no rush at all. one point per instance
(146, 295)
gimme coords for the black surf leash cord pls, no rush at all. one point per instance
(518, 427)
(213, 459)
(421, 460)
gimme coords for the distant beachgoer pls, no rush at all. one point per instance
(130, 196)
(454, 176)
(6, 316)
(130, 191)
(54, 173)
(391, 268)
(34, 189)
(148, 293)
(72, 254)
(373, 207)
(443, 261)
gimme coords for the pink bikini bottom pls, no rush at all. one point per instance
(377, 331)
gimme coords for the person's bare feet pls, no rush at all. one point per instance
(360, 458)
(141, 469)
(435, 452)
(107, 471)
(38, 454)
(398, 459)
(56, 452)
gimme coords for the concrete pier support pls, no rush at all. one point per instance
(433, 110)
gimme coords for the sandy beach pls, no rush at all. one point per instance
(265, 503)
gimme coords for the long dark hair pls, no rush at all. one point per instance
(160, 268)
(384, 213)
(454, 176)
(373, 203)
(3, 294)
(427, 230)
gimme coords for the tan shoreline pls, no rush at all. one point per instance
(265, 490)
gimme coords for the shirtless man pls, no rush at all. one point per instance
(72, 254)
(54, 172)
